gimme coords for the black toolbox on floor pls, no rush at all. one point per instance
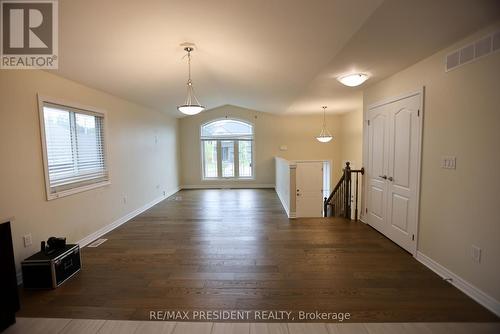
(46, 271)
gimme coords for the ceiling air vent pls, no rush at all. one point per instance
(452, 60)
(482, 47)
(477, 49)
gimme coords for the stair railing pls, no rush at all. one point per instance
(338, 204)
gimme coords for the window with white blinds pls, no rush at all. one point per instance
(74, 149)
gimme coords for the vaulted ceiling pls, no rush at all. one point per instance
(279, 56)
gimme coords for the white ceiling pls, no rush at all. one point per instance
(278, 56)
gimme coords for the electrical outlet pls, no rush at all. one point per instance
(448, 162)
(164, 193)
(476, 254)
(27, 240)
(157, 187)
(124, 199)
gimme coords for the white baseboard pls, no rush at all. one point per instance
(108, 228)
(283, 203)
(242, 185)
(469, 289)
(122, 220)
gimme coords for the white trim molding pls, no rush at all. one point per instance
(290, 214)
(230, 186)
(469, 289)
(283, 202)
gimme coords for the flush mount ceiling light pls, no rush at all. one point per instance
(353, 80)
(325, 136)
(191, 105)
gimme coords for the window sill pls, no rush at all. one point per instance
(208, 179)
(73, 191)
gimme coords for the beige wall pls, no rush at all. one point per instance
(351, 137)
(137, 165)
(271, 131)
(462, 119)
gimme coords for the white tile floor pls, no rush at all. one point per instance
(79, 326)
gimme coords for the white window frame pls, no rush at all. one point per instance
(236, 162)
(84, 110)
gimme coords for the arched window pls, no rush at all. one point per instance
(227, 149)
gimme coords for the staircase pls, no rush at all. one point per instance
(338, 204)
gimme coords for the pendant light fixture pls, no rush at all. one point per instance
(325, 136)
(191, 105)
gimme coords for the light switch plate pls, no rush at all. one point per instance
(27, 240)
(449, 162)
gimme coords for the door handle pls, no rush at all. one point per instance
(383, 176)
(390, 178)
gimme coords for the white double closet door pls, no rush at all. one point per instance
(394, 137)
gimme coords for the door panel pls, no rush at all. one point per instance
(378, 152)
(309, 192)
(377, 187)
(377, 202)
(400, 212)
(401, 146)
(403, 155)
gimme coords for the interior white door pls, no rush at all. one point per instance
(378, 135)
(393, 169)
(402, 180)
(309, 189)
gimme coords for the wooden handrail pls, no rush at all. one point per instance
(340, 198)
(336, 188)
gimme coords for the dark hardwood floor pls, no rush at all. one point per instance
(236, 249)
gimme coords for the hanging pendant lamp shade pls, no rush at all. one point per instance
(191, 105)
(325, 136)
